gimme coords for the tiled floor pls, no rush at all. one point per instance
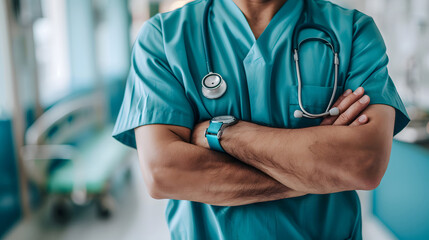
(137, 216)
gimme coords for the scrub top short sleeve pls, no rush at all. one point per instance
(368, 69)
(153, 95)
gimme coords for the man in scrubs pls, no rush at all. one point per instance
(275, 176)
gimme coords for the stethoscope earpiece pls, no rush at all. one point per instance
(332, 112)
(298, 114)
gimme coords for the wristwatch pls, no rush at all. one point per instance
(214, 131)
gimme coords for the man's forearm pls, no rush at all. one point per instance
(184, 171)
(321, 159)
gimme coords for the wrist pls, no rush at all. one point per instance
(215, 131)
(230, 135)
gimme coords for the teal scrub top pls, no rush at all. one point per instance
(164, 87)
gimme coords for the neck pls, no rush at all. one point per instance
(259, 13)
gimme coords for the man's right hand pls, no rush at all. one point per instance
(350, 105)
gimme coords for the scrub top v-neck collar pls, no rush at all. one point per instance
(286, 17)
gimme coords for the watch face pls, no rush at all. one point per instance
(224, 119)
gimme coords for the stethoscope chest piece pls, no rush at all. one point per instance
(213, 86)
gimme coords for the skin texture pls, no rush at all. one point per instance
(259, 13)
(174, 168)
(322, 159)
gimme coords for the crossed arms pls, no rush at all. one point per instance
(348, 152)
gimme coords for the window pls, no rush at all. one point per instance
(50, 37)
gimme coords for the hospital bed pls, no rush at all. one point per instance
(71, 156)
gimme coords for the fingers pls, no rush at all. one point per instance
(343, 103)
(331, 119)
(361, 120)
(350, 114)
(342, 97)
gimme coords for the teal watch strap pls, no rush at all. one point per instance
(212, 136)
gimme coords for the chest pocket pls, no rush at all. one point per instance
(315, 100)
(316, 60)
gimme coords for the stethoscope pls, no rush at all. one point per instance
(214, 86)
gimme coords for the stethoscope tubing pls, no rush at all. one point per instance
(299, 79)
(205, 30)
(333, 44)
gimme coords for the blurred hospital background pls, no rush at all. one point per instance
(63, 67)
